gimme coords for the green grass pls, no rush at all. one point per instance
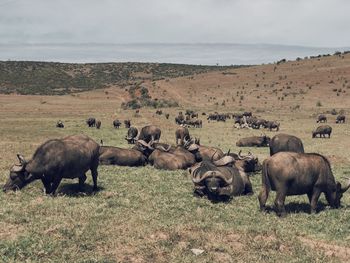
(148, 215)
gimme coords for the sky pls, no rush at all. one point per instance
(317, 23)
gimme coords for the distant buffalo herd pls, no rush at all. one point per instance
(215, 174)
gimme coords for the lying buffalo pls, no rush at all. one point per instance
(181, 134)
(203, 152)
(150, 133)
(127, 124)
(110, 155)
(131, 135)
(254, 141)
(285, 143)
(70, 157)
(322, 131)
(171, 158)
(247, 163)
(219, 180)
(321, 118)
(290, 173)
(340, 119)
(91, 122)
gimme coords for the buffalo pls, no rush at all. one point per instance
(254, 141)
(272, 125)
(110, 155)
(285, 143)
(181, 134)
(98, 124)
(91, 122)
(290, 173)
(219, 180)
(322, 131)
(59, 124)
(321, 118)
(150, 133)
(247, 163)
(131, 135)
(203, 152)
(70, 157)
(127, 124)
(340, 119)
(116, 124)
(171, 158)
(167, 116)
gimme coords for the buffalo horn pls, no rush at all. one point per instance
(345, 188)
(224, 161)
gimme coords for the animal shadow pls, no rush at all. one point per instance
(74, 190)
(296, 208)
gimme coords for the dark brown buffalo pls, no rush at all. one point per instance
(131, 135)
(219, 180)
(254, 141)
(70, 157)
(285, 143)
(150, 133)
(127, 124)
(322, 131)
(340, 119)
(171, 158)
(116, 124)
(59, 124)
(91, 122)
(110, 155)
(290, 173)
(203, 152)
(321, 118)
(167, 116)
(181, 134)
(248, 163)
(247, 114)
(272, 125)
(98, 124)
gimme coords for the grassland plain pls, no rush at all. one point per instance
(149, 215)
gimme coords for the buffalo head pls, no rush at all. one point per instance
(337, 194)
(19, 177)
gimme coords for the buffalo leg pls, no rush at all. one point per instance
(263, 195)
(94, 175)
(315, 195)
(82, 181)
(279, 203)
(56, 182)
(47, 184)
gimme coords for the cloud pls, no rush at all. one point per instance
(293, 22)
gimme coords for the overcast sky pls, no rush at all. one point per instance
(322, 23)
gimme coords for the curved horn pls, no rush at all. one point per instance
(21, 159)
(345, 188)
(228, 153)
(213, 155)
(204, 176)
(160, 147)
(224, 161)
(145, 144)
(240, 157)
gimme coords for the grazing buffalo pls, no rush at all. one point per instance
(219, 180)
(127, 124)
(290, 173)
(272, 125)
(98, 124)
(91, 122)
(131, 135)
(340, 119)
(321, 118)
(159, 112)
(171, 158)
(110, 155)
(70, 157)
(150, 133)
(181, 134)
(322, 131)
(254, 141)
(116, 124)
(285, 143)
(59, 124)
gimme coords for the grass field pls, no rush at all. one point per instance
(148, 215)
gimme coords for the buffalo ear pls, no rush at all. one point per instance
(21, 159)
